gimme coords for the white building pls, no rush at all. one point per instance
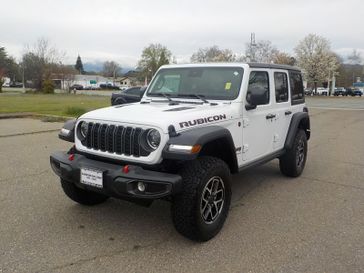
(6, 82)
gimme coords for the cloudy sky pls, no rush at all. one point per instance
(120, 29)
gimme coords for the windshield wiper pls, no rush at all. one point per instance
(198, 96)
(168, 97)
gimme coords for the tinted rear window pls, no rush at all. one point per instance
(297, 93)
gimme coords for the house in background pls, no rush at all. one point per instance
(6, 82)
(129, 79)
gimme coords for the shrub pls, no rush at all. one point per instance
(48, 87)
(75, 111)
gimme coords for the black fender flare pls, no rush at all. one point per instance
(300, 120)
(67, 133)
(202, 136)
(120, 100)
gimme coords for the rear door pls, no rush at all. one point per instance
(282, 108)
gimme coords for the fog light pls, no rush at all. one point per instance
(141, 186)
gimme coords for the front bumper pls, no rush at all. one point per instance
(116, 183)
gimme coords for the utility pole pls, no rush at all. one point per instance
(252, 47)
(23, 77)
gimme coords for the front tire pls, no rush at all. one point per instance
(200, 210)
(81, 196)
(293, 161)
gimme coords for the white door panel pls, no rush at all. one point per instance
(257, 124)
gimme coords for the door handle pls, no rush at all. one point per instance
(270, 116)
(287, 113)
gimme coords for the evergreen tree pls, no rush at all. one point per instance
(79, 65)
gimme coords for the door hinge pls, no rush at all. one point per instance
(245, 148)
(245, 122)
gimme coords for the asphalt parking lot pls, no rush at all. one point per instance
(276, 224)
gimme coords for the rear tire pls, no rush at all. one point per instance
(293, 161)
(81, 196)
(200, 210)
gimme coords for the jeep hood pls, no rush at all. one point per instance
(162, 115)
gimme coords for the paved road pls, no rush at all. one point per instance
(276, 224)
(336, 102)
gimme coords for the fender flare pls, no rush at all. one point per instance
(300, 120)
(202, 136)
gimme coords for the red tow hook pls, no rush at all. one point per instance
(126, 169)
(71, 157)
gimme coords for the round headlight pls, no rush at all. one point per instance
(84, 129)
(153, 138)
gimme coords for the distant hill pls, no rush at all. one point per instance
(97, 67)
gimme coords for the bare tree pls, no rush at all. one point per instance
(67, 74)
(261, 52)
(111, 69)
(213, 54)
(283, 58)
(316, 59)
(355, 58)
(40, 61)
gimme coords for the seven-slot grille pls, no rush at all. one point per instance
(115, 139)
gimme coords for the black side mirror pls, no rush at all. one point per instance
(256, 96)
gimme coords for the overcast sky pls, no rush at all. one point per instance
(119, 30)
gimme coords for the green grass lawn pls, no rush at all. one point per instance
(57, 104)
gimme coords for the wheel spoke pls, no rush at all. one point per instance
(204, 208)
(204, 199)
(219, 191)
(216, 183)
(207, 211)
(212, 199)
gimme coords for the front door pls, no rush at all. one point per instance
(258, 123)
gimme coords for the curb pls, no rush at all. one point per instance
(34, 115)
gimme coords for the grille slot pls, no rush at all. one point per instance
(115, 139)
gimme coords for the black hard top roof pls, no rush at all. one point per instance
(274, 66)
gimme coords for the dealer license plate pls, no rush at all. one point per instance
(91, 177)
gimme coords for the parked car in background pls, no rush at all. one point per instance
(109, 86)
(321, 91)
(340, 91)
(308, 92)
(16, 84)
(133, 94)
(76, 86)
(354, 92)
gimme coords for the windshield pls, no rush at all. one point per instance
(217, 83)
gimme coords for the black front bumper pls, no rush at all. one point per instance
(116, 183)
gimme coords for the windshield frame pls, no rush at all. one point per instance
(150, 95)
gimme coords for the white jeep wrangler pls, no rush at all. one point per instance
(195, 126)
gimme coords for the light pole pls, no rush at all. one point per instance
(23, 66)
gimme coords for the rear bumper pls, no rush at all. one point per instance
(116, 183)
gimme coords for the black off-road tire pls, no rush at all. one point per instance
(187, 206)
(293, 161)
(81, 196)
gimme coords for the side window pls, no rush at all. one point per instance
(295, 80)
(281, 86)
(134, 91)
(258, 86)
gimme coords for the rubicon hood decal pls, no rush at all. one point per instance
(185, 124)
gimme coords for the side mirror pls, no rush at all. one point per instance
(256, 96)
